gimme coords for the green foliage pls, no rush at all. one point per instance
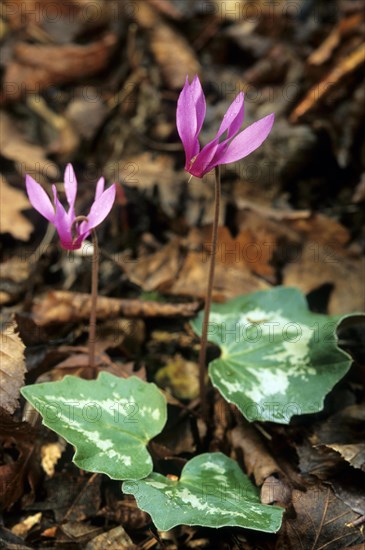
(212, 492)
(109, 420)
(278, 359)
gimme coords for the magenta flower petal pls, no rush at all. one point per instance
(248, 140)
(199, 100)
(63, 223)
(71, 233)
(70, 184)
(99, 188)
(204, 159)
(100, 209)
(190, 115)
(39, 199)
(232, 120)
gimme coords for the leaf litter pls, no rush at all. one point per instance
(293, 214)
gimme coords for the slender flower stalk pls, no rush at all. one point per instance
(94, 292)
(73, 230)
(208, 298)
(229, 145)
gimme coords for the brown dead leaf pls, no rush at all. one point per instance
(344, 432)
(253, 249)
(38, 66)
(258, 461)
(318, 265)
(115, 539)
(157, 271)
(30, 159)
(13, 472)
(228, 281)
(321, 521)
(124, 511)
(12, 367)
(352, 453)
(77, 532)
(85, 115)
(12, 220)
(64, 307)
(321, 229)
(172, 52)
(148, 172)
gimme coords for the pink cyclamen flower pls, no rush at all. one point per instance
(71, 234)
(190, 116)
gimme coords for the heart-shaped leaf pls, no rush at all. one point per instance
(278, 358)
(109, 420)
(212, 492)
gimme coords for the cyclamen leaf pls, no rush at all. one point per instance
(109, 420)
(278, 358)
(212, 492)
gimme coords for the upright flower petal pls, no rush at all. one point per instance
(99, 188)
(248, 140)
(39, 199)
(63, 223)
(190, 115)
(100, 209)
(232, 120)
(199, 100)
(70, 184)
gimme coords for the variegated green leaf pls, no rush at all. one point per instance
(212, 492)
(278, 359)
(109, 420)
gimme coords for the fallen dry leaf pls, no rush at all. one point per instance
(322, 230)
(12, 367)
(14, 472)
(321, 521)
(257, 458)
(11, 204)
(35, 67)
(29, 158)
(228, 281)
(352, 453)
(148, 172)
(343, 432)
(115, 539)
(156, 271)
(172, 52)
(318, 265)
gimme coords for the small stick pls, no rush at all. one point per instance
(208, 298)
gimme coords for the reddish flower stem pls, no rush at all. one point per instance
(208, 297)
(94, 292)
(94, 299)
